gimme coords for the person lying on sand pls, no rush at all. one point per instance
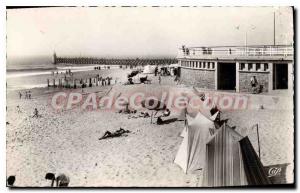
(117, 133)
(141, 115)
(166, 113)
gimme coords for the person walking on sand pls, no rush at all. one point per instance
(36, 113)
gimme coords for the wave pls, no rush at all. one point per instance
(27, 86)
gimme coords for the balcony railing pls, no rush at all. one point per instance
(236, 52)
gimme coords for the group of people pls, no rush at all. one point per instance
(105, 81)
(27, 94)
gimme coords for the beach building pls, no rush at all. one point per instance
(232, 67)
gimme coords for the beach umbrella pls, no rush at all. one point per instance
(153, 105)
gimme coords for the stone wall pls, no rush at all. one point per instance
(198, 77)
(245, 78)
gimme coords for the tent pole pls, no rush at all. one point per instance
(258, 140)
(151, 116)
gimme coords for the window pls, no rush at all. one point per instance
(257, 66)
(250, 66)
(242, 66)
(208, 65)
(266, 67)
(213, 65)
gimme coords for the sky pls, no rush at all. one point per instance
(141, 31)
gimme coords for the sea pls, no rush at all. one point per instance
(27, 72)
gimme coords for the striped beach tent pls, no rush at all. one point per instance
(232, 161)
(254, 169)
(224, 164)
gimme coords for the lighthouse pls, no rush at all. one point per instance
(54, 58)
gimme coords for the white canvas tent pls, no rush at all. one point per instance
(149, 69)
(191, 154)
(136, 79)
(186, 117)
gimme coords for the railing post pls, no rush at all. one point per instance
(237, 75)
(270, 77)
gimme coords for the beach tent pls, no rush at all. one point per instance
(188, 119)
(149, 69)
(191, 154)
(214, 116)
(224, 164)
(182, 115)
(176, 65)
(225, 160)
(254, 169)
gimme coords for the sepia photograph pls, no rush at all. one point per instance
(150, 96)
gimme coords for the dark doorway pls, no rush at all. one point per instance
(178, 72)
(280, 76)
(226, 76)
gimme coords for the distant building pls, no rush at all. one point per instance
(231, 67)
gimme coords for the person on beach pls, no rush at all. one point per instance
(254, 85)
(26, 95)
(36, 113)
(18, 109)
(159, 79)
(117, 133)
(166, 113)
(20, 95)
(29, 94)
(176, 79)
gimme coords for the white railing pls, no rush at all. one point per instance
(237, 51)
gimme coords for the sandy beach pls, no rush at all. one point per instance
(67, 141)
